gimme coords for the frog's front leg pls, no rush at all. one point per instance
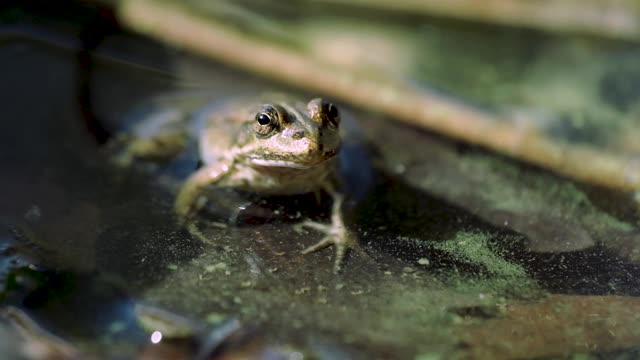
(190, 198)
(336, 233)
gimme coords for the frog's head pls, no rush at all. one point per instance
(296, 135)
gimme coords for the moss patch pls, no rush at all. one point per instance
(473, 248)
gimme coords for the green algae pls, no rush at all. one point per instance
(507, 186)
(573, 90)
(402, 307)
(474, 248)
(483, 268)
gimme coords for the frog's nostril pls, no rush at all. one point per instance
(299, 134)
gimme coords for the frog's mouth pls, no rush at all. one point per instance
(281, 163)
(293, 164)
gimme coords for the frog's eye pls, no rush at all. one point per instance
(266, 121)
(263, 119)
(332, 114)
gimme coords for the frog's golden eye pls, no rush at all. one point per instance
(266, 121)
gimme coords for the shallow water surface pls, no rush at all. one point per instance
(459, 246)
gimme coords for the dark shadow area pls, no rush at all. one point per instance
(595, 271)
(69, 260)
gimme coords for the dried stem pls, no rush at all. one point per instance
(401, 102)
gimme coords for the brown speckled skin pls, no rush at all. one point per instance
(291, 151)
(297, 156)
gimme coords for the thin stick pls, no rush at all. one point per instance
(415, 107)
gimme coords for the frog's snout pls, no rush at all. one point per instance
(298, 134)
(295, 134)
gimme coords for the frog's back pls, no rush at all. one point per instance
(219, 127)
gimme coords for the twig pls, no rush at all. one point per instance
(397, 100)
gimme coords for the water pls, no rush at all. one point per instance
(451, 235)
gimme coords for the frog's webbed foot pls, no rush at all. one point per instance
(336, 234)
(341, 239)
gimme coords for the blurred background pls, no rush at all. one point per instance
(500, 187)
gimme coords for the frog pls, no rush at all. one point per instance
(275, 144)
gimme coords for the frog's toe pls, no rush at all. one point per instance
(197, 233)
(187, 207)
(312, 225)
(342, 240)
